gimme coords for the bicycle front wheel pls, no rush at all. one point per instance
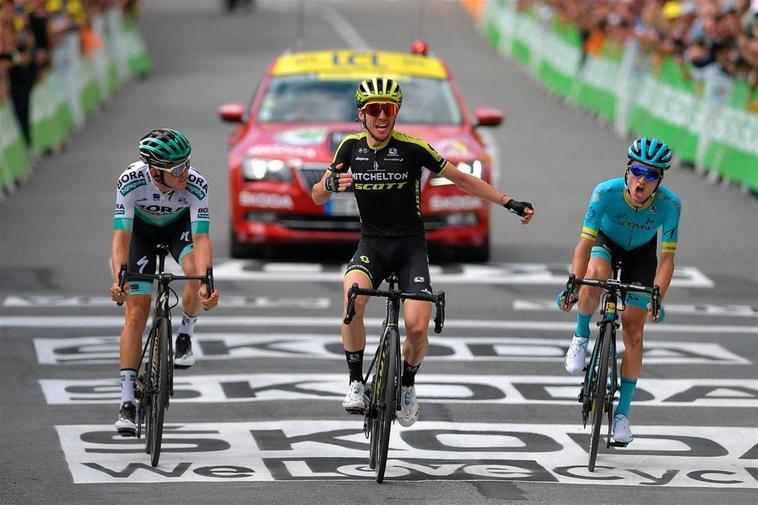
(158, 388)
(388, 393)
(599, 390)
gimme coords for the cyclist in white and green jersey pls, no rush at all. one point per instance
(159, 200)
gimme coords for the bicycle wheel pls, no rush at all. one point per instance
(372, 424)
(374, 393)
(386, 405)
(599, 392)
(148, 396)
(158, 388)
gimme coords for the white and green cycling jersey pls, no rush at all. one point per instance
(138, 196)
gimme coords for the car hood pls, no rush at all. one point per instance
(317, 144)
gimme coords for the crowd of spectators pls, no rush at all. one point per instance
(29, 32)
(696, 33)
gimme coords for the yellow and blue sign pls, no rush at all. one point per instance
(359, 64)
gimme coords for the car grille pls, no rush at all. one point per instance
(319, 223)
(310, 175)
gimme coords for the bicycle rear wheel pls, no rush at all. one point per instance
(158, 388)
(386, 404)
(599, 392)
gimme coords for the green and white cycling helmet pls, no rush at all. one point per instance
(378, 89)
(650, 151)
(164, 148)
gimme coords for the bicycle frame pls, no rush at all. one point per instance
(385, 367)
(601, 378)
(150, 397)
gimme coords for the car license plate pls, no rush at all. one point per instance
(341, 205)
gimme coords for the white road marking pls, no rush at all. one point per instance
(338, 450)
(689, 309)
(230, 301)
(225, 346)
(447, 389)
(305, 322)
(493, 273)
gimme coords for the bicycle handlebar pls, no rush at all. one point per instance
(438, 300)
(615, 285)
(124, 275)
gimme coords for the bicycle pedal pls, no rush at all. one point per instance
(619, 444)
(355, 411)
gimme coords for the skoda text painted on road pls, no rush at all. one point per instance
(314, 449)
(513, 390)
(224, 346)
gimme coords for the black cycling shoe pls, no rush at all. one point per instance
(126, 424)
(183, 356)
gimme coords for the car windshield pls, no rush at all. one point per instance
(305, 99)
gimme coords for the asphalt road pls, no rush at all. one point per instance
(258, 418)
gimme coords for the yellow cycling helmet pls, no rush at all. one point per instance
(378, 88)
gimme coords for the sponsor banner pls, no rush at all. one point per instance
(689, 309)
(512, 390)
(224, 346)
(338, 449)
(230, 301)
(503, 273)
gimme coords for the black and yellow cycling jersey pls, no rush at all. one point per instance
(387, 181)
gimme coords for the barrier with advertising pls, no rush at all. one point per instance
(704, 117)
(87, 67)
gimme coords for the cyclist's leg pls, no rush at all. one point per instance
(413, 276)
(640, 265)
(365, 270)
(599, 267)
(141, 259)
(179, 236)
(633, 322)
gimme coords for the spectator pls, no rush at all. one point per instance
(23, 71)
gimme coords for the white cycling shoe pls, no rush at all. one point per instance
(408, 413)
(622, 432)
(354, 401)
(574, 361)
(183, 357)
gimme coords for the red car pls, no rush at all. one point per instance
(304, 107)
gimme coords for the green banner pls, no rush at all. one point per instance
(708, 118)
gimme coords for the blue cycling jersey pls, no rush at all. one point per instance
(611, 211)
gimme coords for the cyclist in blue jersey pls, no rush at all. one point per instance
(622, 222)
(159, 200)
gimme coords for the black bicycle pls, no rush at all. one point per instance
(383, 391)
(601, 378)
(155, 378)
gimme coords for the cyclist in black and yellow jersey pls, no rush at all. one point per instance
(383, 167)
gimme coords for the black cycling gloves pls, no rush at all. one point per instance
(332, 183)
(518, 207)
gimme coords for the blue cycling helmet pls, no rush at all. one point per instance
(650, 151)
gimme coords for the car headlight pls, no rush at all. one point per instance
(474, 168)
(258, 169)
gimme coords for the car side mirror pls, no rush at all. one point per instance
(488, 116)
(232, 112)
